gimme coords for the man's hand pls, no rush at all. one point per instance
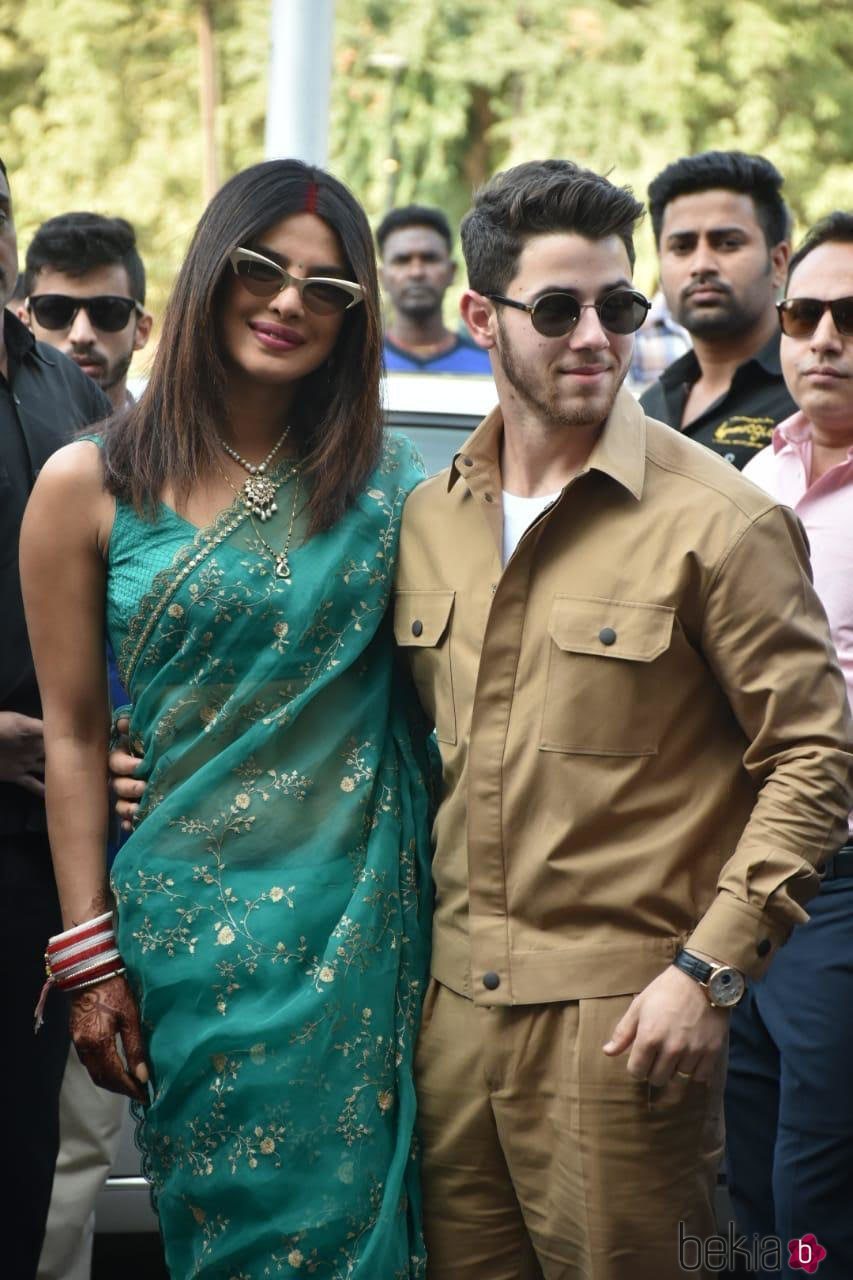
(22, 751)
(99, 1014)
(670, 1027)
(128, 789)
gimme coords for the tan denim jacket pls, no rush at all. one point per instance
(644, 731)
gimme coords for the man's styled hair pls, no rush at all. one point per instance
(75, 243)
(752, 176)
(835, 228)
(413, 215)
(540, 198)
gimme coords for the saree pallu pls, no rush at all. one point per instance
(273, 900)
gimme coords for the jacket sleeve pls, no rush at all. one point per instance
(766, 638)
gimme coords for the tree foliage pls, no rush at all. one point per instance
(101, 108)
(620, 85)
(101, 101)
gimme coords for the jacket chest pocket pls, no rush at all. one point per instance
(604, 692)
(422, 631)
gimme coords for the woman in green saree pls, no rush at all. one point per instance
(236, 534)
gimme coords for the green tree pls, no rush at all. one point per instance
(621, 85)
(101, 103)
(101, 99)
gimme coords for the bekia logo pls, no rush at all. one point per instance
(806, 1254)
(750, 1253)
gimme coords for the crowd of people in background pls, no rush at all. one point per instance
(693, 693)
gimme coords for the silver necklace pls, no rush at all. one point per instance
(280, 559)
(258, 491)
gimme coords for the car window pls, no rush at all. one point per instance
(437, 411)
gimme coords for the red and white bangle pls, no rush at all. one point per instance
(79, 958)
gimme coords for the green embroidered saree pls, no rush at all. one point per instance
(273, 901)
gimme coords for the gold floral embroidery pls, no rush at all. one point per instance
(217, 894)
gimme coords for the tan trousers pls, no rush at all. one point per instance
(543, 1157)
(90, 1121)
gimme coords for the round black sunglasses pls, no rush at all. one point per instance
(556, 314)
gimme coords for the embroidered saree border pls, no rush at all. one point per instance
(157, 597)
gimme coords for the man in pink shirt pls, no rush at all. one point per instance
(789, 1100)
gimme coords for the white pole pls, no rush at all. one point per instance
(300, 75)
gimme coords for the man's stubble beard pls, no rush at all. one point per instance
(115, 373)
(730, 319)
(548, 408)
(420, 312)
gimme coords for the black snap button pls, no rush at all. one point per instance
(607, 635)
(763, 947)
(488, 497)
(467, 462)
(417, 627)
(491, 981)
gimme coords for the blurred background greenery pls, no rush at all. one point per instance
(138, 108)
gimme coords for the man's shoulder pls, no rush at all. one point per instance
(683, 370)
(46, 375)
(699, 474)
(57, 370)
(424, 496)
(653, 400)
(429, 510)
(396, 359)
(464, 357)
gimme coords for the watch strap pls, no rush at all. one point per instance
(698, 970)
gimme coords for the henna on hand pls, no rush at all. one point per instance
(99, 1014)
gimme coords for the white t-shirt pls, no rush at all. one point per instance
(519, 514)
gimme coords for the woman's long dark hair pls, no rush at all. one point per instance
(170, 436)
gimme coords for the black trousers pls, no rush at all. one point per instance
(789, 1094)
(31, 1066)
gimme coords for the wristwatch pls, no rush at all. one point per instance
(723, 985)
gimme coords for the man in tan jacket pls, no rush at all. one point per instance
(646, 753)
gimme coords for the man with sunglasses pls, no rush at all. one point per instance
(645, 749)
(44, 400)
(85, 285)
(86, 295)
(722, 231)
(789, 1105)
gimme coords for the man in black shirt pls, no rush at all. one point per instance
(722, 231)
(44, 399)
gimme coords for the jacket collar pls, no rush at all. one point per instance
(619, 451)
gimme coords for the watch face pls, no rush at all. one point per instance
(725, 987)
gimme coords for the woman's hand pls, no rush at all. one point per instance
(99, 1014)
(128, 789)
